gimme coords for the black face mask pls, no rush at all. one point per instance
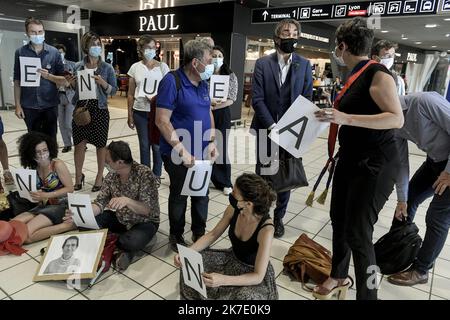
(288, 45)
(234, 202)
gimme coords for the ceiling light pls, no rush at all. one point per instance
(433, 46)
(32, 10)
(404, 38)
(418, 42)
(260, 40)
(431, 25)
(384, 31)
(447, 19)
(447, 35)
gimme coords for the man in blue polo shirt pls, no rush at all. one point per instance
(38, 106)
(185, 120)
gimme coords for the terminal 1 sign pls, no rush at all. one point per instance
(348, 10)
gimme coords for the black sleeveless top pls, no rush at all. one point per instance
(357, 100)
(245, 251)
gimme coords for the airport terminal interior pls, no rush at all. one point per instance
(420, 30)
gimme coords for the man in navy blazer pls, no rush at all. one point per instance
(278, 80)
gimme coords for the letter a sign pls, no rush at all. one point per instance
(197, 179)
(298, 128)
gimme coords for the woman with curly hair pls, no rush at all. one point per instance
(53, 181)
(244, 271)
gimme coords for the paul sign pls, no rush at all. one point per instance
(160, 22)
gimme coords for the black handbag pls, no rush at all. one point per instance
(284, 174)
(19, 205)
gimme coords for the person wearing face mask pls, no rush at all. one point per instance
(221, 175)
(38, 106)
(96, 132)
(145, 77)
(38, 151)
(65, 107)
(127, 203)
(384, 52)
(244, 271)
(367, 109)
(185, 119)
(278, 80)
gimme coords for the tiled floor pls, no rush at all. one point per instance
(154, 275)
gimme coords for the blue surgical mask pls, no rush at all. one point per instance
(37, 39)
(95, 51)
(149, 54)
(218, 62)
(209, 70)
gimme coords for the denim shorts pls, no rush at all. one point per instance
(55, 212)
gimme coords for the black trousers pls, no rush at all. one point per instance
(45, 120)
(221, 174)
(361, 187)
(131, 240)
(178, 203)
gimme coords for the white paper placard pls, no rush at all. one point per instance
(81, 207)
(219, 85)
(148, 87)
(298, 128)
(25, 181)
(192, 268)
(197, 179)
(87, 88)
(29, 75)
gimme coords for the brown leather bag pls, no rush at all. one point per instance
(307, 259)
(81, 115)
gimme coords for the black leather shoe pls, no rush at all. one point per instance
(174, 240)
(408, 278)
(279, 228)
(195, 237)
(66, 149)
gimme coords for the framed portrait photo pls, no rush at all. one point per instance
(75, 254)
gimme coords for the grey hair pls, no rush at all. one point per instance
(195, 49)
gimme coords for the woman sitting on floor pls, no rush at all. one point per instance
(244, 271)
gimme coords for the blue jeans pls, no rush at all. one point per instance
(437, 216)
(141, 122)
(65, 113)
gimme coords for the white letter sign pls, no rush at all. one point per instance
(25, 181)
(87, 88)
(219, 87)
(29, 76)
(298, 127)
(197, 179)
(192, 268)
(80, 205)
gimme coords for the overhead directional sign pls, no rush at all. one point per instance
(349, 10)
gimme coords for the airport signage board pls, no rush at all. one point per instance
(389, 8)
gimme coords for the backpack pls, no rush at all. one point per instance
(153, 130)
(307, 260)
(397, 249)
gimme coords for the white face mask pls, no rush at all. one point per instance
(42, 157)
(387, 62)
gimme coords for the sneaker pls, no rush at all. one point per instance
(227, 191)
(9, 180)
(195, 237)
(279, 228)
(123, 260)
(66, 149)
(174, 240)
